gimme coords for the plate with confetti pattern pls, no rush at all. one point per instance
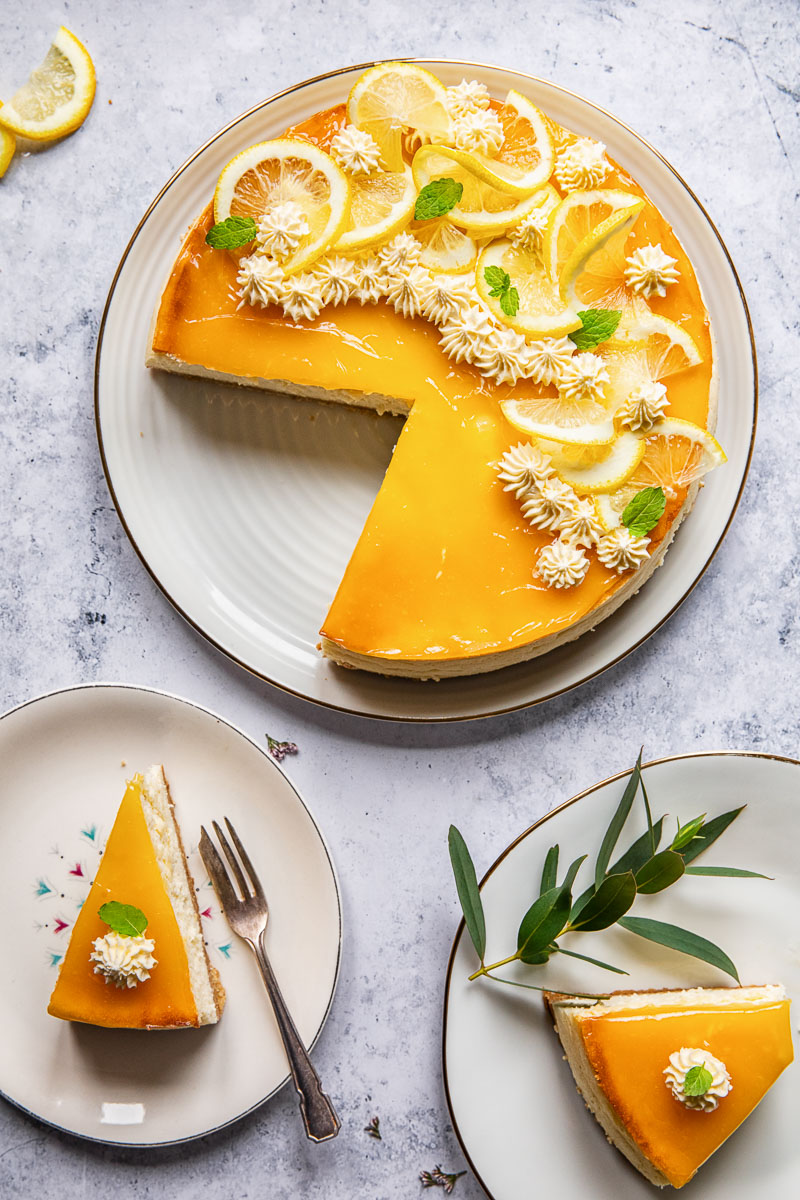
(65, 759)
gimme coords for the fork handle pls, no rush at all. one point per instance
(319, 1115)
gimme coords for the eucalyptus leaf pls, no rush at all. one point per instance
(681, 940)
(549, 871)
(569, 878)
(610, 902)
(595, 961)
(617, 821)
(709, 833)
(543, 922)
(730, 872)
(687, 833)
(634, 857)
(660, 872)
(468, 892)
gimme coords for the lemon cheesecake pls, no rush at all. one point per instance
(136, 958)
(501, 282)
(671, 1075)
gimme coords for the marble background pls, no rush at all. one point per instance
(713, 84)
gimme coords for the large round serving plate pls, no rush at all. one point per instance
(64, 759)
(245, 507)
(512, 1097)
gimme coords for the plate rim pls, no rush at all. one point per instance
(616, 777)
(330, 704)
(136, 687)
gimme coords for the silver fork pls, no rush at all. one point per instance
(248, 916)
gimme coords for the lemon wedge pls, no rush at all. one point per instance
(57, 96)
(524, 161)
(577, 217)
(381, 205)
(484, 209)
(8, 144)
(394, 102)
(597, 468)
(272, 173)
(448, 249)
(541, 311)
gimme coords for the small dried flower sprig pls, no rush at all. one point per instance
(643, 869)
(439, 1178)
(279, 750)
(373, 1129)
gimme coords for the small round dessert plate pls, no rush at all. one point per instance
(65, 759)
(515, 1108)
(245, 508)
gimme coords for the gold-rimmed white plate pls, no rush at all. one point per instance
(515, 1108)
(245, 508)
(64, 759)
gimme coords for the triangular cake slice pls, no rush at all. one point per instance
(162, 980)
(632, 1052)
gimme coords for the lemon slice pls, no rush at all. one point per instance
(58, 95)
(599, 468)
(541, 311)
(677, 454)
(483, 210)
(526, 415)
(8, 144)
(524, 161)
(448, 249)
(394, 99)
(577, 217)
(381, 205)
(271, 173)
(593, 275)
(644, 350)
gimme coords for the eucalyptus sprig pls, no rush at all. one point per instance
(642, 869)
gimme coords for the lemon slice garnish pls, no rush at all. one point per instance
(8, 144)
(597, 468)
(541, 312)
(526, 416)
(271, 173)
(448, 249)
(57, 96)
(395, 101)
(592, 276)
(381, 204)
(577, 217)
(524, 161)
(484, 210)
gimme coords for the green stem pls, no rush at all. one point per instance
(484, 970)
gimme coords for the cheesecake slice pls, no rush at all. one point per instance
(154, 975)
(632, 1054)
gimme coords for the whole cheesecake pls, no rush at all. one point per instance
(490, 541)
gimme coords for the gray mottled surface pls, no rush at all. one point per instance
(713, 84)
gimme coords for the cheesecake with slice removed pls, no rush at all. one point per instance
(671, 1075)
(136, 958)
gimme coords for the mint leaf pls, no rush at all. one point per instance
(509, 301)
(124, 919)
(232, 232)
(644, 511)
(498, 280)
(437, 198)
(698, 1080)
(598, 324)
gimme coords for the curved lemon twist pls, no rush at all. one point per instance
(484, 209)
(381, 205)
(57, 96)
(8, 144)
(541, 311)
(396, 101)
(524, 161)
(577, 217)
(598, 468)
(271, 173)
(593, 275)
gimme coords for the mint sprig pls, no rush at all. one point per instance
(501, 288)
(642, 869)
(597, 325)
(437, 198)
(231, 233)
(644, 511)
(698, 1080)
(124, 919)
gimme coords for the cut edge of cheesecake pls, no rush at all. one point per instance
(567, 1012)
(159, 814)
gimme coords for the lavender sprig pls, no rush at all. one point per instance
(279, 750)
(439, 1178)
(374, 1129)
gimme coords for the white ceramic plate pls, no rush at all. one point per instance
(512, 1097)
(61, 782)
(245, 508)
